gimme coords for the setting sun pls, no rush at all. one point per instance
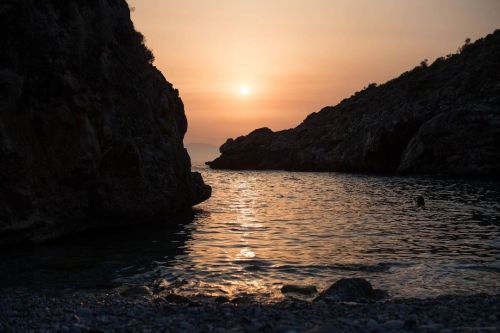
(244, 90)
(208, 50)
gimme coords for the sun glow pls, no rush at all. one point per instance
(244, 90)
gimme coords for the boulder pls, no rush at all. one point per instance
(351, 289)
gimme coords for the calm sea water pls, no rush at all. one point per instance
(263, 229)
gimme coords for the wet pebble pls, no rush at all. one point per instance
(373, 326)
(394, 325)
(430, 328)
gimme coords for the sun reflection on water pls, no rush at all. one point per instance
(261, 230)
(246, 253)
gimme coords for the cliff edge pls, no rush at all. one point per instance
(442, 118)
(91, 133)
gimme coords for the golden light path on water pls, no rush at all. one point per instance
(264, 229)
(261, 230)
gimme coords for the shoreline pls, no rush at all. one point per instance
(24, 310)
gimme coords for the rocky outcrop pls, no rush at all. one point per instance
(351, 289)
(442, 118)
(90, 131)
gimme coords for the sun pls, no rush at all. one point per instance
(244, 90)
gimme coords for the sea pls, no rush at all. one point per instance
(261, 230)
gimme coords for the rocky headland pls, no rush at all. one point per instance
(91, 133)
(440, 118)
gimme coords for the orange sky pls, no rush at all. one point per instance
(296, 56)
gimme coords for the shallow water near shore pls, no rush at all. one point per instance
(263, 229)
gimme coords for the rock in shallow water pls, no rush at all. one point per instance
(296, 289)
(351, 289)
(221, 299)
(91, 133)
(175, 298)
(136, 291)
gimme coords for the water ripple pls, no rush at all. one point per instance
(313, 228)
(263, 229)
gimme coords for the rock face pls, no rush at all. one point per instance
(90, 131)
(438, 119)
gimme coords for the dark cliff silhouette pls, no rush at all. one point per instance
(442, 118)
(90, 131)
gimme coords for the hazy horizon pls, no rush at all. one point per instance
(244, 65)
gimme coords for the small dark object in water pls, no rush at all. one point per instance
(420, 201)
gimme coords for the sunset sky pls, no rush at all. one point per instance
(240, 65)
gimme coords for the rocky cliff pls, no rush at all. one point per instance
(442, 118)
(90, 131)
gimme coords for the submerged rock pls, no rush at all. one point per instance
(221, 299)
(91, 133)
(351, 289)
(175, 298)
(438, 119)
(295, 289)
(136, 291)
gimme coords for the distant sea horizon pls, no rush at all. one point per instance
(201, 152)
